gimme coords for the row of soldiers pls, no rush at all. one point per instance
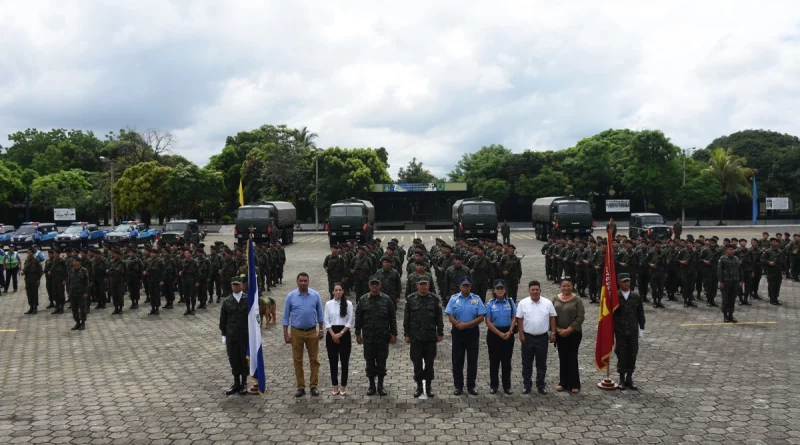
(481, 261)
(676, 266)
(105, 276)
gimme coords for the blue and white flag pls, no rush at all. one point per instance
(254, 352)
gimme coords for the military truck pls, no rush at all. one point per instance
(648, 225)
(474, 218)
(351, 219)
(560, 216)
(271, 221)
(174, 230)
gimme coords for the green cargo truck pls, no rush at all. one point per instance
(351, 219)
(271, 221)
(474, 218)
(561, 216)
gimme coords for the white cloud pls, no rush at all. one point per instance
(430, 80)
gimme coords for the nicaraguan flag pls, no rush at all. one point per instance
(254, 353)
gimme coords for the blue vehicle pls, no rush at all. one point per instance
(121, 234)
(6, 233)
(30, 233)
(71, 237)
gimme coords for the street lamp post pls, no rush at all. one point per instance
(317, 151)
(683, 209)
(111, 186)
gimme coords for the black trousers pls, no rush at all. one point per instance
(154, 289)
(168, 291)
(376, 355)
(672, 281)
(688, 286)
(568, 374)
(133, 288)
(710, 284)
(59, 292)
(548, 267)
(339, 352)
(215, 283)
(500, 353)
(513, 286)
(189, 292)
(465, 343)
(534, 348)
(756, 280)
(117, 291)
(48, 285)
(507, 239)
(643, 279)
(423, 355)
(627, 348)
(580, 280)
(11, 276)
(729, 292)
(657, 284)
(202, 291)
(237, 357)
(32, 291)
(774, 280)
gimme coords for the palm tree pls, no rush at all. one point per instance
(305, 138)
(731, 173)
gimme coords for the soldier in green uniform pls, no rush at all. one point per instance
(78, 293)
(730, 280)
(189, 277)
(116, 281)
(771, 260)
(628, 327)
(281, 261)
(418, 274)
(594, 269)
(746, 262)
(480, 269)
(361, 273)
(793, 253)
(335, 267)
(423, 328)
(548, 261)
(168, 288)
(228, 272)
(48, 280)
(709, 257)
(580, 258)
(657, 262)
(672, 280)
(453, 277)
(134, 270)
(32, 271)
(687, 260)
(390, 280)
(233, 326)
(755, 254)
(203, 276)
(215, 282)
(443, 262)
(511, 271)
(376, 328)
(568, 263)
(58, 275)
(644, 271)
(557, 265)
(154, 276)
(98, 278)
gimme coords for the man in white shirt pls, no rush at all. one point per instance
(536, 317)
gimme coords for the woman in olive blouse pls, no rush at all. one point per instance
(569, 318)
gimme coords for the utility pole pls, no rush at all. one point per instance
(316, 191)
(683, 209)
(111, 191)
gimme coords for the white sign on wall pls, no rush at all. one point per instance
(618, 205)
(64, 214)
(777, 203)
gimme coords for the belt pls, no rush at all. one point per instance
(535, 335)
(304, 329)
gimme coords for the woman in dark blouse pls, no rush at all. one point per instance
(569, 320)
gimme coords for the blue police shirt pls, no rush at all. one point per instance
(134, 234)
(465, 309)
(501, 312)
(39, 255)
(84, 233)
(37, 235)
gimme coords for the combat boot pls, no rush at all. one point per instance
(622, 384)
(234, 388)
(77, 326)
(381, 391)
(629, 382)
(243, 389)
(429, 388)
(371, 391)
(83, 325)
(418, 391)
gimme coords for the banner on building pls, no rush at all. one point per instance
(618, 205)
(64, 214)
(777, 203)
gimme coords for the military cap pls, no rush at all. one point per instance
(116, 252)
(395, 240)
(773, 239)
(423, 280)
(624, 277)
(77, 258)
(458, 257)
(30, 249)
(511, 246)
(236, 280)
(785, 233)
(466, 282)
(200, 251)
(420, 262)
(362, 248)
(386, 259)
(374, 279)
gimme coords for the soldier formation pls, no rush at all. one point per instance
(92, 276)
(679, 267)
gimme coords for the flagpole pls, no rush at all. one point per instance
(609, 281)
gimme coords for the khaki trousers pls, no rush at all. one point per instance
(310, 341)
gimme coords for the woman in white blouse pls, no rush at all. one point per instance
(339, 319)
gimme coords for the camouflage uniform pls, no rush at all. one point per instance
(376, 323)
(422, 324)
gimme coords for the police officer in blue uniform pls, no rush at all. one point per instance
(465, 312)
(500, 322)
(84, 237)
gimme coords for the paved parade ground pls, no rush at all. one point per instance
(160, 379)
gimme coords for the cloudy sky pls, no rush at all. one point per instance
(431, 80)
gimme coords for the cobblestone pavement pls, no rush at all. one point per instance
(160, 380)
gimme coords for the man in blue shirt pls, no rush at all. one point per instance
(302, 311)
(84, 237)
(465, 311)
(133, 234)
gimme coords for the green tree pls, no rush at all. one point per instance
(191, 189)
(415, 173)
(547, 183)
(66, 188)
(10, 182)
(50, 161)
(141, 189)
(494, 189)
(653, 166)
(346, 173)
(731, 173)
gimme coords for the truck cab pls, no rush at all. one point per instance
(648, 225)
(561, 216)
(474, 218)
(174, 230)
(351, 219)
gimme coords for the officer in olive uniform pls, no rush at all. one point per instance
(626, 262)
(548, 261)
(203, 276)
(376, 328)
(416, 276)
(48, 278)
(687, 259)
(480, 269)
(233, 326)
(771, 260)
(116, 281)
(58, 275)
(154, 274)
(78, 293)
(32, 271)
(281, 261)
(709, 257)
(511, 271)
(390, 280)
(657, 262)
(453, 277)
(628, 326)
(423, 328)
(336, 268)
(168, 289)
(755, 253)
(215, 282)
(730, 280)
(134, 270)
(98, 278)
(361, 272)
